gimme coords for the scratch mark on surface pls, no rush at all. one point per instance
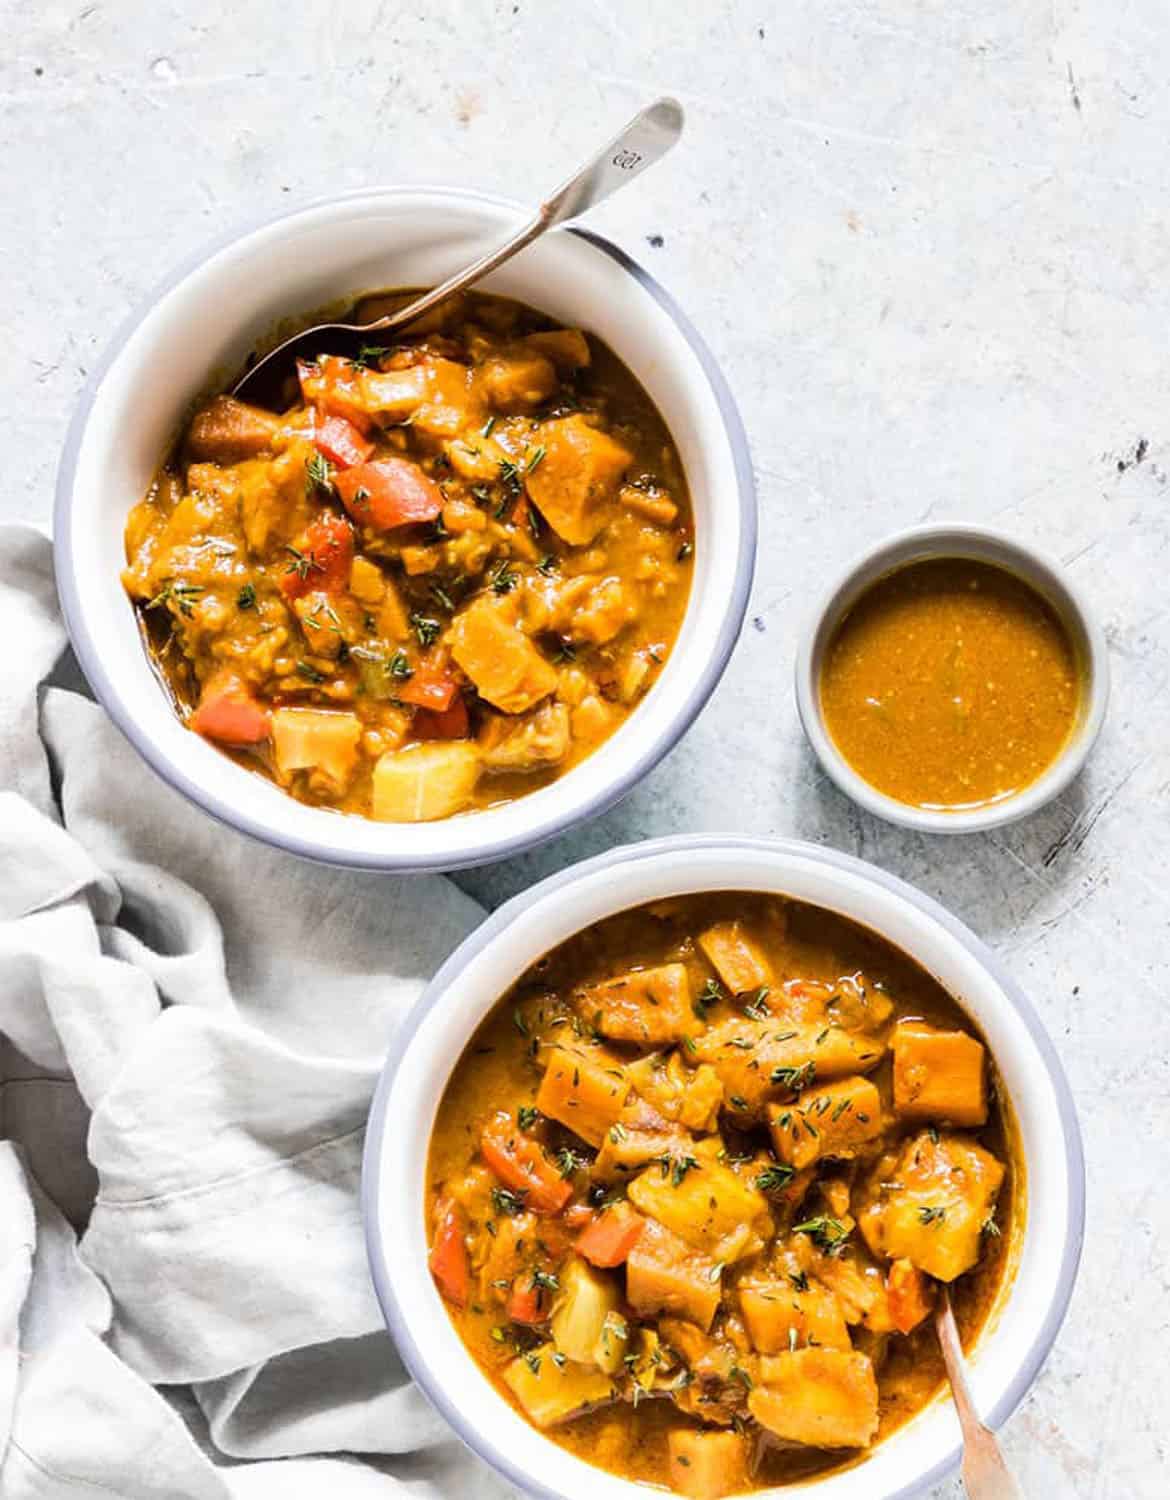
(1074, 836)
(1072, 89)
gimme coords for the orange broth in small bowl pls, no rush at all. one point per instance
(953, 680)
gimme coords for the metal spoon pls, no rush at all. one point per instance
(985, 1474)
(645, 140)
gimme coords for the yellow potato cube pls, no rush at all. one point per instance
(706, 1465)
(931, 1206)
(316, 738)
(424, 782)
(704, 1203)
(827, 1398)
(779, 1317)
(836, 1120)
(552, 1391)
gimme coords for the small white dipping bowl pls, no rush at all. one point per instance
(198, 329)
(1021, 1327)
(1049, 581)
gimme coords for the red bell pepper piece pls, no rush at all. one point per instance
(340, 441)
(229, 713)
(324, 560)
(610, 1238)
(431, 687)
(521, 1165)
(334, 385)
(449, 1262)
(528, 1301)
(390, 492)
(448, 724)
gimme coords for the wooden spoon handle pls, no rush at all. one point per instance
(985, 1474)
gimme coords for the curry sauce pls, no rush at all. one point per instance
(694, 1180)
(950, 684)
(442, 573)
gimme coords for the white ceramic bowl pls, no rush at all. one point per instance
(200, 326)
(1050, 581)
(1020, 1330)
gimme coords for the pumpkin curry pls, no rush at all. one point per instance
(950, 684)
(439, 577)
(694, 1180)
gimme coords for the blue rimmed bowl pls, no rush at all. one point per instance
(1043, 1257)
(199, 327)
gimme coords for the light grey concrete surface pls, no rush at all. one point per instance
(930, 246)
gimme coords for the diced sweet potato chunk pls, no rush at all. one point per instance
(517, 380)
(827, 1398)
(227, 430)
(835, 1119)
(584, 1091)
(664, 1275)
(931, 1205)
(706, 1465)
(938, 1075)
(568, 348)
(705, 1203)
(740, 962)
(578, 477)
(651, 1006)
(424, 782)
(780, 1317)
(552, 1391)
(505, 666)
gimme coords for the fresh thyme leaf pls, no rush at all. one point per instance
(319, 474)
(547, 564)
(399, 666)
(181, 595)
(679, 1169)
(507, 1203)
(931, 1213)
(503, 579)
(825, 1231)
(425, 628)
(309, 672)
(527, 1116)
(370, 354)
(486, 429)
(568, 1161)
(684, 551)
(773, 1179)
(756, 1006)
(303, 563)
(535, 458)
(246, 598)
(795, 1078)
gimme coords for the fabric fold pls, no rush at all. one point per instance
(208, 1016)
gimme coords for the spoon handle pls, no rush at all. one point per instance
(642, 142)
(985, 1475)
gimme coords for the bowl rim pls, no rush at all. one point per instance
(481, 1443)
(987, 544)
(474, 851)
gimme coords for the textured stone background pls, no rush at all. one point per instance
(929, 245)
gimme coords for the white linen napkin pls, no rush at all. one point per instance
(191, 1026)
